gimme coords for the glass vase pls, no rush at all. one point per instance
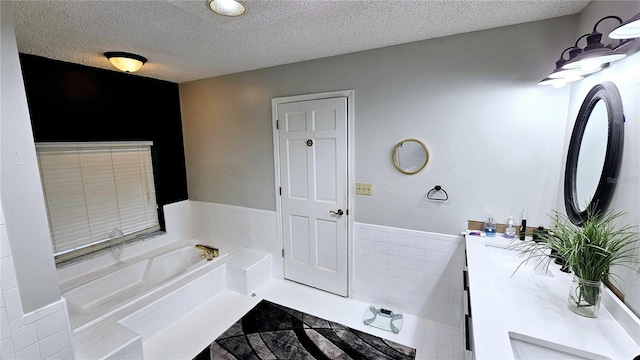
(585, 296)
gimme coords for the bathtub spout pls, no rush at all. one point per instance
(208, 252)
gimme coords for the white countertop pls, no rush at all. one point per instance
(535, 306)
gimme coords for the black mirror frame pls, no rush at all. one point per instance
(607, 92)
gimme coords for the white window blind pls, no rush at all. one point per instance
(92, 189)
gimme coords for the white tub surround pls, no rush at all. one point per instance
(248, 270)
(228, 227)
(111, 319)
(535, 306)
(410, 271)
(94, 296)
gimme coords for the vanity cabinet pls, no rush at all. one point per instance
(523, 314)
(466, 325)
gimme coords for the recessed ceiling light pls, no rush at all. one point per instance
(227, 7)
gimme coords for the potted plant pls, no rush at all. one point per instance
(589, 250)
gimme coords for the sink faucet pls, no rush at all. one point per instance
(207, 252)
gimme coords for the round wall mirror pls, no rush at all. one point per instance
(595, 151)
(410, 156)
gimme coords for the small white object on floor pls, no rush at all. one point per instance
(382, 319)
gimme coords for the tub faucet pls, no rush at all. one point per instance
(207, 252)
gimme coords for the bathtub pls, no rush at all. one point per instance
(136, 281)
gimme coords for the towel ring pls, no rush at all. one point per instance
(436, 190)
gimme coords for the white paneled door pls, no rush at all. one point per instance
(312, 138)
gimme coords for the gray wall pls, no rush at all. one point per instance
(495, 137)
(626, 75)
(20, 190)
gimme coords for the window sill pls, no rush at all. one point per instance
(107, 250)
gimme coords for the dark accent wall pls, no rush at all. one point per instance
(70, 102)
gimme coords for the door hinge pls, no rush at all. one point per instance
(282, 252)
(278, 124)
(280, 190)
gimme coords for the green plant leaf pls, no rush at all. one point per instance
(590, 250)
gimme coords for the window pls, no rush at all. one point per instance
(92, 189)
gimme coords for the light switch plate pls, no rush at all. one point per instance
(364, 188)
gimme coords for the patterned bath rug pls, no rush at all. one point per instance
(270, 331)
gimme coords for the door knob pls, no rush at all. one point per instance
(339, 212)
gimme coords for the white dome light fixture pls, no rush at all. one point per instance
(124, 61)
(227, 7)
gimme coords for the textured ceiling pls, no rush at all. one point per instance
(185, 41)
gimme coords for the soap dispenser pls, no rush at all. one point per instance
(490, 228)
(523, 225)
(510, 231)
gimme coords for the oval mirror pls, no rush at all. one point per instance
(594, 154)
(410, 156)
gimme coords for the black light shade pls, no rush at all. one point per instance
(559, 76)
(559, 71)
(595, 54)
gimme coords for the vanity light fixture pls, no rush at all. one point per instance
(559, 77)
(227, 7)
(627, 30)
(556, 83)
(124, 61)
(559, 72)
(595, 54)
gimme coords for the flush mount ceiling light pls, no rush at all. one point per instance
(227, 7)
(627, 30)
(126, 62)
(595, 54)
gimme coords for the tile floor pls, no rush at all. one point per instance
(189, 335)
